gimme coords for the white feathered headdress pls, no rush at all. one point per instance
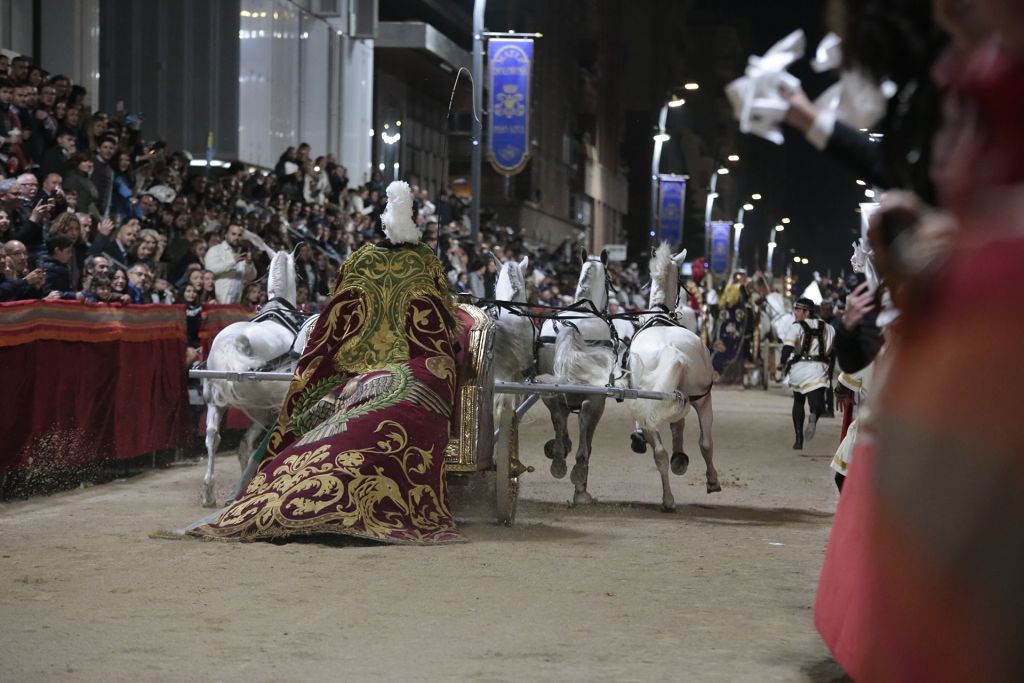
(397, 217)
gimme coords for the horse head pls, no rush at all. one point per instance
(281, 277)
(593, 283)
(664, 269)
(511, 283)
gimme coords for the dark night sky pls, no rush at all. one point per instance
(819, 195)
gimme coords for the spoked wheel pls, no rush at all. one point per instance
(507, 470)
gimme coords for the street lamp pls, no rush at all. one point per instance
(660, 138)
(756, 196)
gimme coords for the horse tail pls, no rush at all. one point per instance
(664, 374)
(577, 363)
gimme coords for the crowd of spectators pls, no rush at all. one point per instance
(92, 211)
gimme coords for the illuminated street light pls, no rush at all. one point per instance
(692, 86)
(785, 221)
(748, 207)
(869, 194)
(780, 228)
(796, 259)
(662, 137)
(676, 102)
(804, 261)
(723, 171)
(861, 183)
(733, 157)
(756, 196)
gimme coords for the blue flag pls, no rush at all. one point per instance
(720, 233)
(509, 61)
(671, 208)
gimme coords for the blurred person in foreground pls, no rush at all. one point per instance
(936, 595)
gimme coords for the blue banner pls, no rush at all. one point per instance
(508, 61)
(720, 234)
(671, 207)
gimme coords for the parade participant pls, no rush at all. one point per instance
(359, 446)
(731, 348)
(805, 354)
(231, 263)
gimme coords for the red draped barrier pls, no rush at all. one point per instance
(87, 382)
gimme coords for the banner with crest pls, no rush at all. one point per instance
(509, 61)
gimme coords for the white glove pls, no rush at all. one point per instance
(755, 97)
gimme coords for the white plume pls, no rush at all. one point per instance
(397, 217)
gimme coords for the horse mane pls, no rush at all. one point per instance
(585, 286)
(505, 279)
(281, 277)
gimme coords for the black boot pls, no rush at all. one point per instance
(798, 425)
(812, 424)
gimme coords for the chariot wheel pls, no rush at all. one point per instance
(507, 470)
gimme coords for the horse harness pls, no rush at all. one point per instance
(282, 312)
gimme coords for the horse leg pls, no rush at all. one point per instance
(214, 413)
(668, 502)
(558, 447)
(249, 443)
(680, 460)
(590, 414)
(707, 447)
(637, 442)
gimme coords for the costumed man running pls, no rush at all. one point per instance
(359, 445)
(805, 352)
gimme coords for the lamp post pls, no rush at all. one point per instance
(739, 225)
(478, 127)
(772, 244)
(660, 138)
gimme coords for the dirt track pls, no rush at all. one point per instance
(722, 590)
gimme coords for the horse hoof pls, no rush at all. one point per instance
(582, 498)
(680, 461)
(714, 487)
(669, 506)
(207, 500)
(558, 468)
(637, 442)
(553, 452)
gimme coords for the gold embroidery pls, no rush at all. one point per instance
(442, 367)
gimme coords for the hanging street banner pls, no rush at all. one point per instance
(720, 233)
(508, 63)
(671, 207)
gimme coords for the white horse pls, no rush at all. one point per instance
(667, 357)
(513, 334)
(577, 349)
(266, 343)
(779, 318)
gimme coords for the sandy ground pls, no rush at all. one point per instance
(722, 590)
